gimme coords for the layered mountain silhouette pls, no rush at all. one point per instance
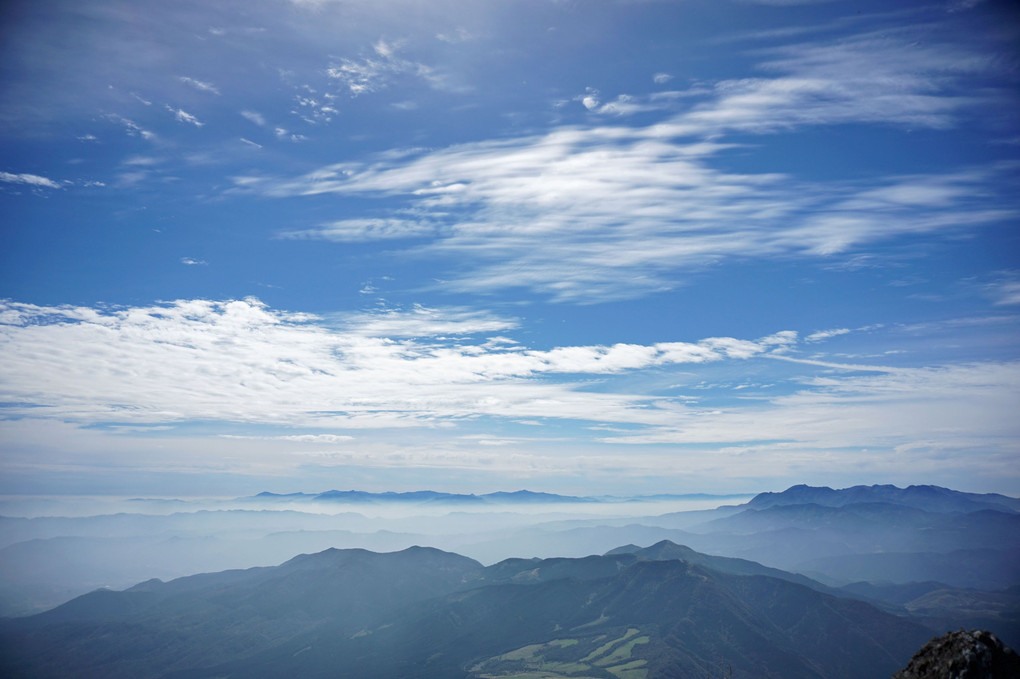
(864, 533)
(771, 572)
(421, 612)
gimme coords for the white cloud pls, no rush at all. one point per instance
(286, 135)
(373, 73)
(589, 214)
(297, 438)
(66, 368)
(459, 35)
(882, 77)
(623, 105)
(182, 116)
(1006, 293)
(962, 5)
(592, 213)
(193, 262)
(240, 361)
(826, 334)
(364, 230)
(358, 77)
(141, 161)
(133, 129)
(199, 85)
(249, 142)
(661, 78)
(254, 117)
(313, 107)
(422, 321)
(965, 408)
(28, 179)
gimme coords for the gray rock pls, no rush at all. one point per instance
(977, 654)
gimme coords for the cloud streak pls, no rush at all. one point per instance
(592, 213)
(199, 85)
(28, 179)
(182, 116)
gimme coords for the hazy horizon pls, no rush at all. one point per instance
(30, 506)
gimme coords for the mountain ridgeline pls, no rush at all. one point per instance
(422, 612)
(422, 497)
(811, 582)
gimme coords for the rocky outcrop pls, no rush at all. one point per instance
(963, 655)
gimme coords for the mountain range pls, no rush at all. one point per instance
(422, 612)
(930, 556)
(928, 498)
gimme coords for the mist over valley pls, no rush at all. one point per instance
(809, 582)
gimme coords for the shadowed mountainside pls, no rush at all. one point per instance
(426, 613)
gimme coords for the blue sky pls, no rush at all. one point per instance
(586, 247)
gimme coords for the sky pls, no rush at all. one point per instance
(599, 247)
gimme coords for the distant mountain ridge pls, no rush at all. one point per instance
(498, 497)
(927, 498)
(423, 496)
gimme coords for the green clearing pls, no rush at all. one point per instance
(632, 670)
(536, 675)
(604, 648)
(622, 653)
(548, 661)
(524, 653)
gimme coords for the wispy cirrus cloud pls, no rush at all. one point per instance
(133, 129)
(827, 334)
(378, 71)
(589, 214)
(254, 117)
(622, 105)
(422, 321)
(182, 116)
(199, 85)
(1006, 290)
(354, 230)
(613, 211)
(28, 180)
